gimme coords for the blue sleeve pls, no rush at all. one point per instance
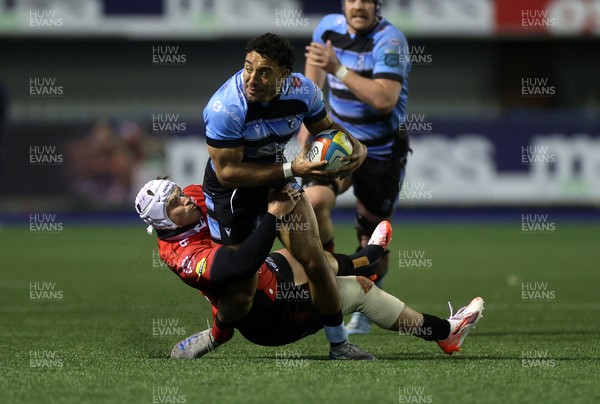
(315, 102)
(223, 124)
(391, 58)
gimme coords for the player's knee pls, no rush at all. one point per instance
(242, 301)
(317, 270)
(322, 202)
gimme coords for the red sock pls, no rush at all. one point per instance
(221, 332)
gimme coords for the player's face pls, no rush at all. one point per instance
(262, 77)
(360, 15)
(181, 210)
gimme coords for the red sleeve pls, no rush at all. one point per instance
(191, 259)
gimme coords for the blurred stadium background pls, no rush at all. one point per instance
(99, 96)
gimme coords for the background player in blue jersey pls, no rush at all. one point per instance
(249, 120)
(363, 58)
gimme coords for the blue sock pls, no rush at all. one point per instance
(336, 335)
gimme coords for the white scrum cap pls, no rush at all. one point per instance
(151, 204)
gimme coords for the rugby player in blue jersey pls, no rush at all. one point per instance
(248, 121)
(359, 53)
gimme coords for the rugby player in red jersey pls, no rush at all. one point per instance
(282, 311)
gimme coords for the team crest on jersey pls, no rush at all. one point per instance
(187, 264)
(295, 82)
(201, 267)
(392, 58)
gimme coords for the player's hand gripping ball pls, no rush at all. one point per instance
(330, 145)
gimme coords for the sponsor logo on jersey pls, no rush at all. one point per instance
(201, 267)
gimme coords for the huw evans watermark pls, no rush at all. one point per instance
(415, 55)
(411, 190)
(535, 19)
(45, 359)
(292, 222)
(537, 87)
(45, 87)
(414, 327)
(167, 394)
(168, 55)
(537, 155)
(537, 292)
(44, 292)
(290, 358)
(289, 291)
(168, 124)
(45, 19)
(536, 224)
(290, 18)
(44, 223)
(162, 327)
(44, 156)
(417, 123)
(414, 259)
(536, 359)
(413, 394)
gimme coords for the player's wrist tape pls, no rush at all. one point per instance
(287, 170)
(341, 73)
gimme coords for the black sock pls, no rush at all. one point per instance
(332, 320)
(360, 263)
(434, 328)
(368, 255)
(345, 265)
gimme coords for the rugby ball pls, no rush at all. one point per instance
(330, 145)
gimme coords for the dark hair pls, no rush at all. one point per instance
(274, 47)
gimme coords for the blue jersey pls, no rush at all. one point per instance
(379, 53)
(263, 128)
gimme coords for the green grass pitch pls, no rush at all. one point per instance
(96, 336)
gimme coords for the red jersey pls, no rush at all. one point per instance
(274, 319)
(191, 253)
